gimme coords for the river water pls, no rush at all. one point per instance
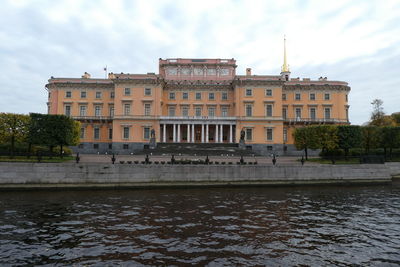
(294, 226)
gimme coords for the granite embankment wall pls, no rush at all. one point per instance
(90, 175)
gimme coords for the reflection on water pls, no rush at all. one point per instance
(223, 227)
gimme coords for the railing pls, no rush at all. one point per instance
(92, 117)
(315, 120)
(196, 118)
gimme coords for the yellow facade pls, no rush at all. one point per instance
(195, 101)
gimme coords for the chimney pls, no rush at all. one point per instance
(111, 76)
(86, 75)
(248, 71)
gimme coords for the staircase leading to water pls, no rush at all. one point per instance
(199, 149)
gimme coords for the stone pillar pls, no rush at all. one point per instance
(188, 133)
(174, 133)
(230, 134)
(221, 134)
(179, 134)
(165, 133)
(192, 133)
(207, 133)
(216, 133)
(202, 133)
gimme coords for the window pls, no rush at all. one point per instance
(224, 112)
(347, 114)
(198, 111)
(298, 113)
(198, 96)
(297, 96)
(269, 134)
(312, 114)
(285, 135)
(110, 134)
(147, 109)
(126, 133)
(98, 94)
(67, 110)
(224, 96)
(249, 92)
(97, 111)
(211, 111)
(112, 111)
(312, 96)
(112, 94)
(83, 94)
(268, 92)
(171, 111)
(283, 96)
(68, 94)
(147, 91)
(96, 146)
(185, 111)
(127, 91)
(125, 146)
(347, 98)
(127, 109)
(249, 134)
(96, 133)
(270, 148)
(185, 95)
(146, 133)
(82, 135)
(268, 110)
(82, 110)
(81, 146)
(327, 113)
(211, 96)
(284, 113)
(109, 146)
(327, 96)
(172, 95)
(249, 110)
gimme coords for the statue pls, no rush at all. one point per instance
(242, 134)
(153, 133)
(241, 141)
(152, 144)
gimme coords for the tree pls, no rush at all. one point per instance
(390, 138)
(396, 118)
(14, 129)
(327, 137)
(370, 137)
(349, 136)
(378, 117)
(303, 139)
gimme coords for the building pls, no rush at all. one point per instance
(196, 101)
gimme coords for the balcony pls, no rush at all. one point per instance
(315, 121)
(93, 118)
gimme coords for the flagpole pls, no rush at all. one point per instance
(105, 72)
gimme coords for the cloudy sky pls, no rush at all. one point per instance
(357, 41)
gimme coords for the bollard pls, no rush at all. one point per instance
(207, 161)
(77, 159)
(241, 159)
(146, 160)
(274, 160)
(113, 158)
(172, 159)
(302, 160)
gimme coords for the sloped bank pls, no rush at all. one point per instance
(97, 175)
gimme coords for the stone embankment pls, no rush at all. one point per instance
(102, 175)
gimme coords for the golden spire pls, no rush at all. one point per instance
(285, 67)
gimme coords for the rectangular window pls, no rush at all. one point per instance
(185, 95)
(211, 96)
(298, 113)
(269, 134)
(83, 94)
(96, 146)
(147, 91)
(110, 134)
(68, 110)
(127, 109)
(327, 96)
(112, 111)
(146, 133)
(112, 94)
(126, 133)
(268, 92)
(268, 110)
(312, 114)
(185, 111)
(171, 111)
(109, 146)
(147, 109)
(98, 94)
(96, 133)
(283, 96)
(81, 146)
(347, 114)
(82, 135)
(211, 112)
(127, 91)
(249, 110)
(97, 111)
(125, 146)
(327, 113)
(284, 113)
(82, 110)
(312, 96)
(249, 92)
(297, 96)
(198, 111)
(198, 96)
(347, 98)
(224, 96)
(172, 95)
(249, 134)
(285, 135)
(224, 112)
(68, 94)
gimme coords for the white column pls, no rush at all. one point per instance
(165, 133)
(220, 133)
(192, 133)
(188, 133)
(216, 133)
(179, 133)
(206, 133)
(230, 133)
(202, 133)
(174, 133)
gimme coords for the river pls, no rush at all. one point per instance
(282, 226)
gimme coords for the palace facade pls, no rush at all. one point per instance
(196, 101)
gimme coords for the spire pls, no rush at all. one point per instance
(285, 67)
